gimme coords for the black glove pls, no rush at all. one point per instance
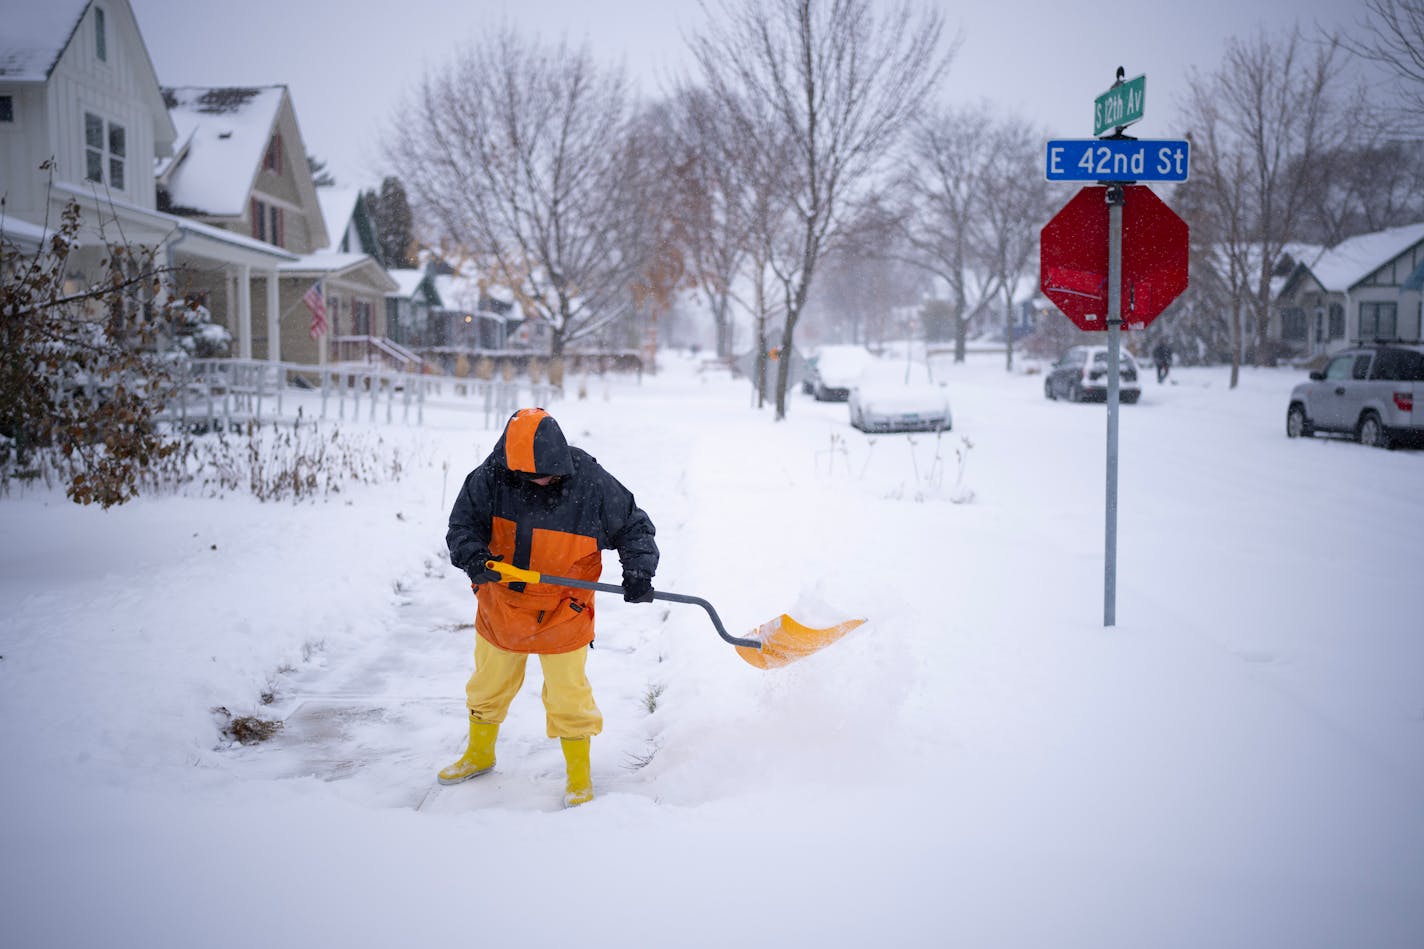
(638, 589)
(478, 572)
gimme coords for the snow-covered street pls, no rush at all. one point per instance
(1239, 762)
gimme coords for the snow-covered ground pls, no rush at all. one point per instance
(1239, 762)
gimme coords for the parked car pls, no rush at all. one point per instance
(834, 370)
(1373, 393)
(882, 405)
(1082, 373)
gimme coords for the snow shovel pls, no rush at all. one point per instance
(771, 645)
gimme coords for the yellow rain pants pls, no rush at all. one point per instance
(569, 708)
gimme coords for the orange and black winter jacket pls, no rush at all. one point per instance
(559, 529)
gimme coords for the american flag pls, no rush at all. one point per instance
(316, 302)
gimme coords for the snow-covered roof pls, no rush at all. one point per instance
(224, 134)
(407, 281)
(330, 261)
(1352, 260)
(338, 206)
(458, 293)
(33, 35)
(463, 294)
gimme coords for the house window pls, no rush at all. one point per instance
(105, 150)
(267, 223)
(1337, 321)
(1293, 323)
(7, 110)
(101, 41)
(1378, 320)
(272, 161)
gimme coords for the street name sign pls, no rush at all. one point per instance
(1117, 159)
(1121, 105)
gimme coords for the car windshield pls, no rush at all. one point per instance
(1101, 359)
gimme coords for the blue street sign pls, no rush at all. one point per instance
(1113, 159)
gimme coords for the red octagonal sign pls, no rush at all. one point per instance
(1073, 257)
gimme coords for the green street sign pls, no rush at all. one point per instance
(1121, 105)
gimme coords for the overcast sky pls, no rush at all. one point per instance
(348, 63)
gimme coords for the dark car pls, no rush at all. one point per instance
(1372, 393)
(1082, 373)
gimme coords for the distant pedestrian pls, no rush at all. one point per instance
(1162, 359)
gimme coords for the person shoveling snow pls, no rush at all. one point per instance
(539, 503)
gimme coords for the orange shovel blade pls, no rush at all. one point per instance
(783, 641)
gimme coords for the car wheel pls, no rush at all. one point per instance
(1130, 397)
(1372, 432)
(1297, 425)
(1048, 390)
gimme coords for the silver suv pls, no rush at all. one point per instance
(1375, 393)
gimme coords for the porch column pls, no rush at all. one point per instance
(274, 327)
(244, 312)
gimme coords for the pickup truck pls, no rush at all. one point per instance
(1374, 393)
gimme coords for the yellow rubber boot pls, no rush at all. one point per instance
(478, 757)
(579, 789)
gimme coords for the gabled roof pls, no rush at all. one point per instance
(343, 209)
(34, 34)
(461, 294)
(412, 281)
(1352, 260)
(223, 135)
(329, 263)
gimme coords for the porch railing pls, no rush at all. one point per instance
(212, 394)
(376, 350)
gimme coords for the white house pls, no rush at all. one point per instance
(1365, 288)
(240, 164)
(78, 93)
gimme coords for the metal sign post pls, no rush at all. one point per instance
(1098, 279)
(1116, 198)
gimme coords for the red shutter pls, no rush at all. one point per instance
(256, 213)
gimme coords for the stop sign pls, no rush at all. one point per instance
(1073, 257)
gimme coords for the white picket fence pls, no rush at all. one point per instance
(214, 394)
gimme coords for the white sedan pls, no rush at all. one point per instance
(887, 406)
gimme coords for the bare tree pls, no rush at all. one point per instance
(710, 170)
(514, 152)
(649, 234)
(836, 82)
(941, 196)
(1217, 200)
(1259, 124)
(1396, 42)
(1016, 198)
(1365, 187)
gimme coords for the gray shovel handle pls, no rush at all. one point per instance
(657, 595)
